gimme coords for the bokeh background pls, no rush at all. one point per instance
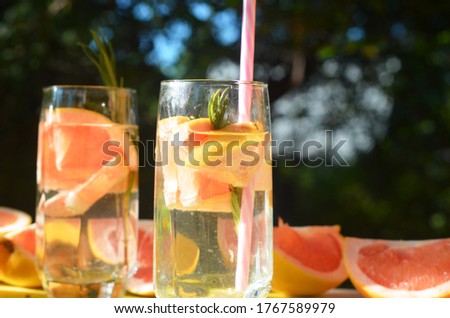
(375, 72)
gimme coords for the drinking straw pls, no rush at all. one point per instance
(245, 98)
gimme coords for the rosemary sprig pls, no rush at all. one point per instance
(104, 59)
(236, 200)
(217, 105)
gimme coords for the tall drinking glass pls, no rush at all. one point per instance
(87, 190)
(213, 175)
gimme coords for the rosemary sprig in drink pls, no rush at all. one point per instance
(104, 59)
(217, 106)
(105, 62)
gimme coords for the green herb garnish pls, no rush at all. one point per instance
(217, 105)
(104, 59)
(236, 200)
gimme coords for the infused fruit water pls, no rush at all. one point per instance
(87, 204)
(201, 173)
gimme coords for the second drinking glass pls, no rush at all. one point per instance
(87, 200)
(213, 190)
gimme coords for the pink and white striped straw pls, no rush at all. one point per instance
(245, 99)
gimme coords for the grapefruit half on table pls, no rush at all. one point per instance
(308, 260)
(388, 268)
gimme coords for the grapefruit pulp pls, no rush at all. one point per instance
(308, 260)
(108, 236)
(388, 268)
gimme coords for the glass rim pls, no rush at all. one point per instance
(87, 87)
(214, 82)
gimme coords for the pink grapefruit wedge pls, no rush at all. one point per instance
(387, 268)
(308, 260)
(17, 266)
(12, 220)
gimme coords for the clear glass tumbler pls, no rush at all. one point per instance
(87, 190)
(213, 190)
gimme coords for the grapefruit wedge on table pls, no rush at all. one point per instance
(12, 220)
(308, 260)
(387, 268)
(17, 266)
(71, 159)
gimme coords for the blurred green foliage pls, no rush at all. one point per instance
(398, 189)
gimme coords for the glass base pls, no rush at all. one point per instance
(257, 290)
(91, 290)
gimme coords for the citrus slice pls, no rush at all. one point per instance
(12, 220)
(187, 254)
(17, 265)
(74, 143)
(230, 155)
(142, 281)
(307, 260)
(199, 172)
(387, 268)
(81, 154)
(63, 231)
(107, 238)
(228, 241)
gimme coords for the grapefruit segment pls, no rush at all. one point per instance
(204, 163)
(80, 199)
(107, 238)
(142, 281)
(12, 220)
(387, 268)
(187, 255)
(231, 155)
(17, 266)
(82, 155)
(307, 260)
(62, 231)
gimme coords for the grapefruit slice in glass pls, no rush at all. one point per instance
(308, 260)
(198, 174)
(73, 161)
(12, 220)
(109, 239)
(142, 281)
(387, 268)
